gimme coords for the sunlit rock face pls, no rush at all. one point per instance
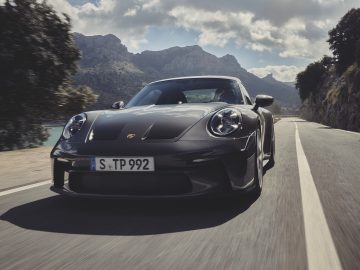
(337, 102)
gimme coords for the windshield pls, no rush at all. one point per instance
(198, 90)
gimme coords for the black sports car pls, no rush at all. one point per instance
(177, 137)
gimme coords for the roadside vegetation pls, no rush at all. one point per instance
(330, 88)
(37, 61)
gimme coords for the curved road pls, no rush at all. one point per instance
(308, 217)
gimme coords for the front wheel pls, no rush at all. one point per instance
(272, 154)
(258, 168)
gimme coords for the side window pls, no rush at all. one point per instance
(246, 95)
(235, 90)
(248, 100)
(151, 98)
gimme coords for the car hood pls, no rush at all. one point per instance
(149, 123)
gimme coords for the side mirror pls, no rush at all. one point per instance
(118, 105)
(263, 101)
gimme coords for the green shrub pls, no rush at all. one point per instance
(308, 80)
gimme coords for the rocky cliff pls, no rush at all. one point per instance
(337, 101)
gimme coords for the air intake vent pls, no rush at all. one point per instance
(107, 130)
(166, 131)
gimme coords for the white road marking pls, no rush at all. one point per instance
(320, 248)
(337, 129)
(13, 190)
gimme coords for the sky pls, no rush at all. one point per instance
(266, 36)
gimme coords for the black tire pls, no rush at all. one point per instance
(58, 174)
(258, 168)
(272, 153)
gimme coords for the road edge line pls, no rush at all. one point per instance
(22, 188)
(320, 247)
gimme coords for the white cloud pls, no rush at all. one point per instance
(323, 24)
(328, 2)
(130, 12)
(129, 20)
(290, 29)
(281, 72)
(150, 4)
(215, 38)
(215, 28)
(218, 28)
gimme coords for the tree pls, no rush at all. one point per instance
(343, 39)
(327, 62)
(37, 59)
(76, 100)
(275, 108)
(308, 80)
(358, 52)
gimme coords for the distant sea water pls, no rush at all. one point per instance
(54, 135)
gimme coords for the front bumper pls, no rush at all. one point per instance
(182, 169)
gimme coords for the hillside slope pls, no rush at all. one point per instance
(337, 102)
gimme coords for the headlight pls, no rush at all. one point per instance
(225, 122)
(74, 125)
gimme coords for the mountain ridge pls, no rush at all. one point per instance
(115, 73)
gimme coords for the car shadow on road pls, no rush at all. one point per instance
(125, 217)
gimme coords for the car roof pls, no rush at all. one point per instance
(199, 77)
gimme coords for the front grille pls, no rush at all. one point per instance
(114, 183)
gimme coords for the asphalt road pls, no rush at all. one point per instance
(41, 230)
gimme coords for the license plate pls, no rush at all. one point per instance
(123, 164)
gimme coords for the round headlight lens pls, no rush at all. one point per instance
(74, 125)
(225, 122)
